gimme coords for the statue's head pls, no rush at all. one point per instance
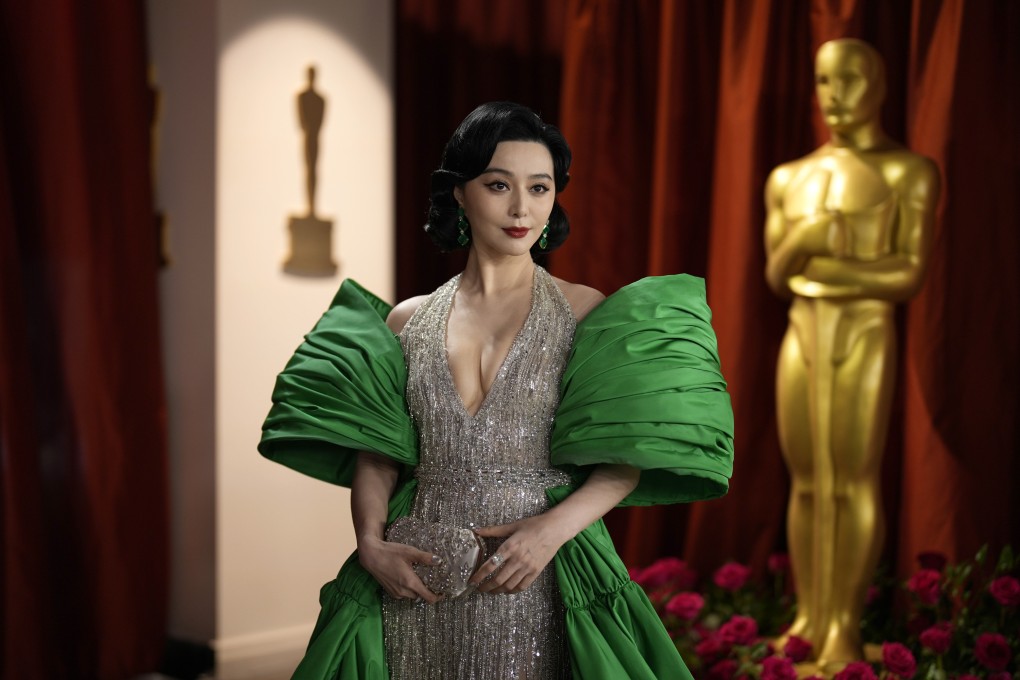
(849, 82)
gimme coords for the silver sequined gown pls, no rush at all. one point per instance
(486, 469)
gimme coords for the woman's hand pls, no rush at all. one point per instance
(390, 564)
(531, 545)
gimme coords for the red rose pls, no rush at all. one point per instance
(967, 677)
(932, 560)
(992, 651)
(857, 670)
(739, 630)
(723, 670)
(778, 668)
(937, 638)
(1006, 591)
(634, 573)
(666, 570)
(731, 576)
(685, 606)
(1001, 675)
(899, 660)
(925, 584)
(779, 563)
(872, 595)
(797, 649)
(919, 623)
(710, 649)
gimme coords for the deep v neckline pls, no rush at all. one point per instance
(455, 393)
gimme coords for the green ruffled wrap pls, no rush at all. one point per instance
(642, 387)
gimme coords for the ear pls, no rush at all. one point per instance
(458, 195)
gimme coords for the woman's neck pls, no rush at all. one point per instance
(494, 276)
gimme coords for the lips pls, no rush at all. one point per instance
(516, 232)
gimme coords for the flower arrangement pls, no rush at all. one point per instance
(946, 622)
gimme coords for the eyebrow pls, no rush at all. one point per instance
(540, 175)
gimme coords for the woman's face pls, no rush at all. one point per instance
(509, 203)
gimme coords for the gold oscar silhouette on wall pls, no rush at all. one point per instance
(847, 236)
(311, 238)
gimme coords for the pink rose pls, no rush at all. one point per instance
(926, 585)
(739, 630)
(710, 649)
(992, 651)
(919, 623)
(778, 668)
(797, 649)
(1006, 591)
(666, 570)
(722, 670)
(685, 606)
(967, 676)
(634, 573)
(899, 660)
(856, 670)
(731, 576)
(937, 638)
(1001, 675)
(932, 560)
(872, 595)
(779, 563)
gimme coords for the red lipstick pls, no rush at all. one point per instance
(516, 232)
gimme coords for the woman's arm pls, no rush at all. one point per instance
(375, 477)
(533, 541)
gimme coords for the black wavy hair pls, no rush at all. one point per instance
(468, 153)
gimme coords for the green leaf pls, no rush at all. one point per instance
(982, 553)
(1005, 560)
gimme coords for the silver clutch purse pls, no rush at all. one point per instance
(461, 551)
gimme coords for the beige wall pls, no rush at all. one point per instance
(276, 535)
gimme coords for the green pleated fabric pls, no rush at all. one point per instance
(643, 387)
(612, 629)
(342, 392)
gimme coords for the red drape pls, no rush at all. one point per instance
(676, 112)
(83, 529)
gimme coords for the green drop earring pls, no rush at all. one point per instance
(462, 226)
(543, 240)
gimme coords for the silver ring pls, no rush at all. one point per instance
(498, 559)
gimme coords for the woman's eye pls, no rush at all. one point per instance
(540, 188)
(497, 186)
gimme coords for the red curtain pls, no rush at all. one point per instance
(83, 516)
(676, 112)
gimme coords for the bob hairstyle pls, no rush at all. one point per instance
(468, 153)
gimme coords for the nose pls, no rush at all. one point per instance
(518, 206)
(837, 89)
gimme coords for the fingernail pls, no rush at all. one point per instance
(436, 559)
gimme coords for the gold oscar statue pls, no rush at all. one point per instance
(311, 238)
(847, 236)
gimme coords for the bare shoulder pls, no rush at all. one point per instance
(582, 299)
(399, 315)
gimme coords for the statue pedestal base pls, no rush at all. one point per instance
(311, 247)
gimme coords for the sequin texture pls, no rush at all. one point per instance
(490, 468)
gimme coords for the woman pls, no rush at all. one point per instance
(643, 417)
